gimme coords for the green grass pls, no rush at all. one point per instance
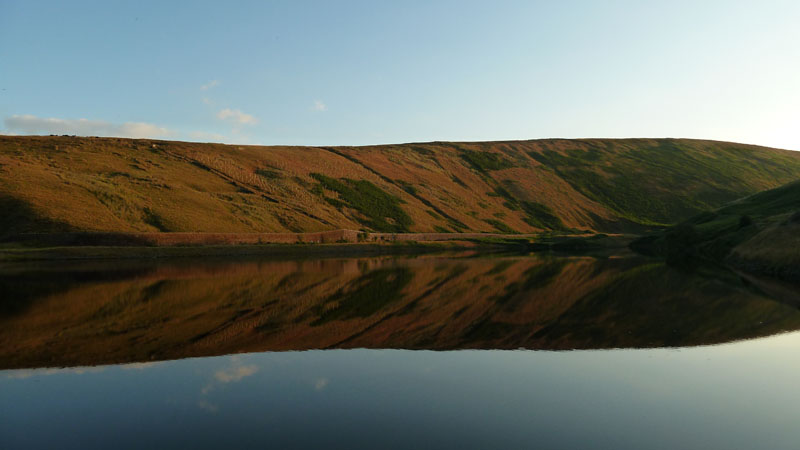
(640, 183)
(485, 162)
(541, 216)
(536, 214)
(500, 226)
(458, 181)
(379, 210)
(408, 187)
(782, 200)
(714, 235)
(153, 219)
(433, 214)
(269, 174)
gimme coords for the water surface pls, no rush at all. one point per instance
(427, 352)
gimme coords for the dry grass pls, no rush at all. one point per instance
(144, 186)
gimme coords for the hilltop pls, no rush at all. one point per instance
(759, 233)
(68, 184)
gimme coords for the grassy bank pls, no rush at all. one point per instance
(759, 234)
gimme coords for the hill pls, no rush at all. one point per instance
(62, 183)
(759, 233)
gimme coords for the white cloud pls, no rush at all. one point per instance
(140, 129)
(319, 106)
(207, 101)
(321, 384)
(209, 85)
(21, 374)
(29, 124)
(141, 365)
(236, 116)
(235, 374)
(230, 375)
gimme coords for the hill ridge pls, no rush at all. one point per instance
(63, 183)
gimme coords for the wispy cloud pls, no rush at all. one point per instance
(30, 124)
(321, 384)
(235, 374)
(319, 106)
(232, 374)
(237, 116)
(211, 84)
(141, 365)
(22, 374)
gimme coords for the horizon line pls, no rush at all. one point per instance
(386, 144)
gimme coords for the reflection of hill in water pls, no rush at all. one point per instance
(90, 315)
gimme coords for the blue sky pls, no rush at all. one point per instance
(366, 72)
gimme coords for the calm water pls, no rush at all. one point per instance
(428, 352)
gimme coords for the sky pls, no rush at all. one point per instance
(372, 72)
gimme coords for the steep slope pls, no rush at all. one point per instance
(65, 183)
(760, 233)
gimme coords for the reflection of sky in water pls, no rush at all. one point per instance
(734, 396)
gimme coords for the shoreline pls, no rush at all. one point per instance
(64, 253)
(122, 247)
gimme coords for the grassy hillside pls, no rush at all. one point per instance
(760, 233)
(52, 184)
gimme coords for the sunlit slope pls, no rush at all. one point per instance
(107, 184)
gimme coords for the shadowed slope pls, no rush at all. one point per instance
(759, 233)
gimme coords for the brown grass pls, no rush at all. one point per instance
(147, 186)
